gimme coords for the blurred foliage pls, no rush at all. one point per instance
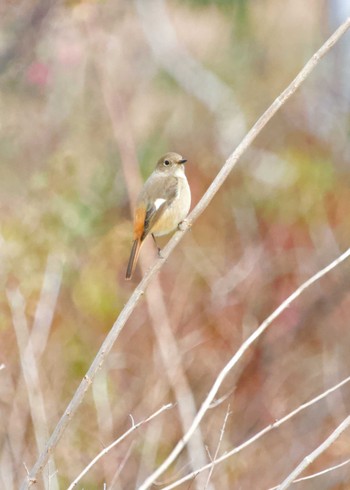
(88, 105)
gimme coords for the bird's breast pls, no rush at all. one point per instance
(176, 212)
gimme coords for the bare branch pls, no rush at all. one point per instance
(118, 441)
(319, 473)
(197, 211)
(218, 446)
(258, 435)
(323, 472)
(315, 454)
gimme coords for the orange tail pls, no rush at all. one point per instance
(134, 255)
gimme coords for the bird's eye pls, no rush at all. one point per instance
(166, 162)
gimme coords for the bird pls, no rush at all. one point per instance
(162, 204)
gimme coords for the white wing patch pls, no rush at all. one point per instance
(159, 202)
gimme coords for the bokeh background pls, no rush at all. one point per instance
(91, 94)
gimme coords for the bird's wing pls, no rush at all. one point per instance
(157, 197)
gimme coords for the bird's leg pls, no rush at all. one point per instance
(158, 248)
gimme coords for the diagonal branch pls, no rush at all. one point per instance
(310, 458)
(118, 441)
(319, 473)
(198, 210)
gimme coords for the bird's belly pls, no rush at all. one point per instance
(175, 213)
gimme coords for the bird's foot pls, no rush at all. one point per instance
(184, 225)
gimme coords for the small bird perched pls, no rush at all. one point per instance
(163, 203)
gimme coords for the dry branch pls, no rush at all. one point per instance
(140, 289)
(319, 473)
(310, 458)
(118, 441)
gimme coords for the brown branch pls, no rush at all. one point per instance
(197, 211)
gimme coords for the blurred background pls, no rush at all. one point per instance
(91, 94)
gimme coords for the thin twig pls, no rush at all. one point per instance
(258, 435)
(113, 484)
(218, 446)
(167, 250)
(315, 454)
(323, 472)
(118, 441)
(319, 473)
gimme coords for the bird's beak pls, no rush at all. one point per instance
(182, 161)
